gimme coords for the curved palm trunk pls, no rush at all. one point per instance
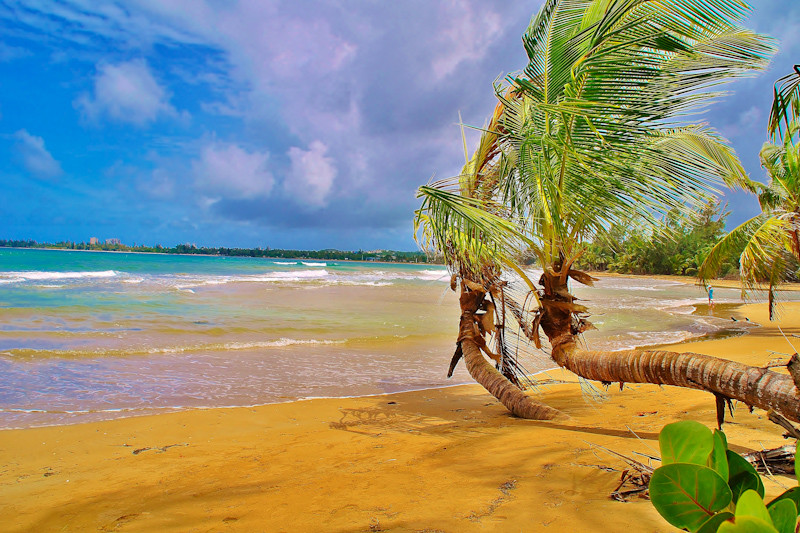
(756, 387)
(511, 396)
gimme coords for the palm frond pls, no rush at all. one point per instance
(785, 103)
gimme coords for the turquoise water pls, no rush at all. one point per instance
(89, 335)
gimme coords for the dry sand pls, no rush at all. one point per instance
(441, 460)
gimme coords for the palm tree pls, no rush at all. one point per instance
(589, 134)
(769, 241)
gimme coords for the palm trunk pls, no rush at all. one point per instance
(756, 387)
(511, 396)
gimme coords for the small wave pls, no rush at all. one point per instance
(310, 264)
(279, 343)
(299, 275)
(284, 262)
(167, 350)
(433, 275)
(13, 277)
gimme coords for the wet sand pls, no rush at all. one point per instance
(440, 460)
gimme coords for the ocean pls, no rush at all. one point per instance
(96, 335)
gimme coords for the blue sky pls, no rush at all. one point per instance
(294, 124)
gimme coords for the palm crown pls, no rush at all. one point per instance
(769, 241)
(592, 131)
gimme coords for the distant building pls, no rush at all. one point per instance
(94, 240)
(113, 241)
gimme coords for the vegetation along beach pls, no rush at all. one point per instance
(410, 295)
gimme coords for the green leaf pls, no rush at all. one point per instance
(751, 504)
(784, 515)
(685, 442)
(742, 476)
(747, 524)
(718, 460)
(687, 495)
(791, 494)
(712, 524)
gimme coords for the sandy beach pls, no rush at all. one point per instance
(437, 460)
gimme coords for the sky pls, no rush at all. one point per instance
(298, 124)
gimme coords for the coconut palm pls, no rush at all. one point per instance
(769, 241)
(589, 134)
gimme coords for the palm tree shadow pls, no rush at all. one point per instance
(377, 420)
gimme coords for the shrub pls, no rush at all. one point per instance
(702, 486)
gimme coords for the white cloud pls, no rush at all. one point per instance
(228, 171)
(466, 37)
(157, 185)
(312, 174)
(126, 92)
(34, 156)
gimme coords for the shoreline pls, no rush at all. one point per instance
(449, 459)
(723, 333)
(689, 280)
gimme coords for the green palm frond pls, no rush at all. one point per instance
(465, 229)
(734, 241)
(591, 132)
(785, 103)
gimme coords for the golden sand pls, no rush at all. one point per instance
(440, 460)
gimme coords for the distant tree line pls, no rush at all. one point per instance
(675, 247)
(328, 254)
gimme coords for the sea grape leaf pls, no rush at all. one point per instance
(752, 504)
(791, 494)
(712, 524)
(718, 460)
(722, 436)
(784, 515)
(741, 483)
(686, 441)
(742, 476)
(796, 459)
(687, 495)
(746, 524)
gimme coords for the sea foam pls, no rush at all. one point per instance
(16, 277)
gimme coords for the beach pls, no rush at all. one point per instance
(448, 459)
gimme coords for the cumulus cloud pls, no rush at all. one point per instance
(312, 174)
(356, 103)
(229, 171)
(34, 157)
(126, 92)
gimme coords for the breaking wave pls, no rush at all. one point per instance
(17, 277)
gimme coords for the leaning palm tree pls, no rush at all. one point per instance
(770, 241)
(591, 133)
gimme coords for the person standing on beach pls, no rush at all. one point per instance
(710, 290)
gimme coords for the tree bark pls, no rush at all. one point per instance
(756, 387)
(511, 396)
